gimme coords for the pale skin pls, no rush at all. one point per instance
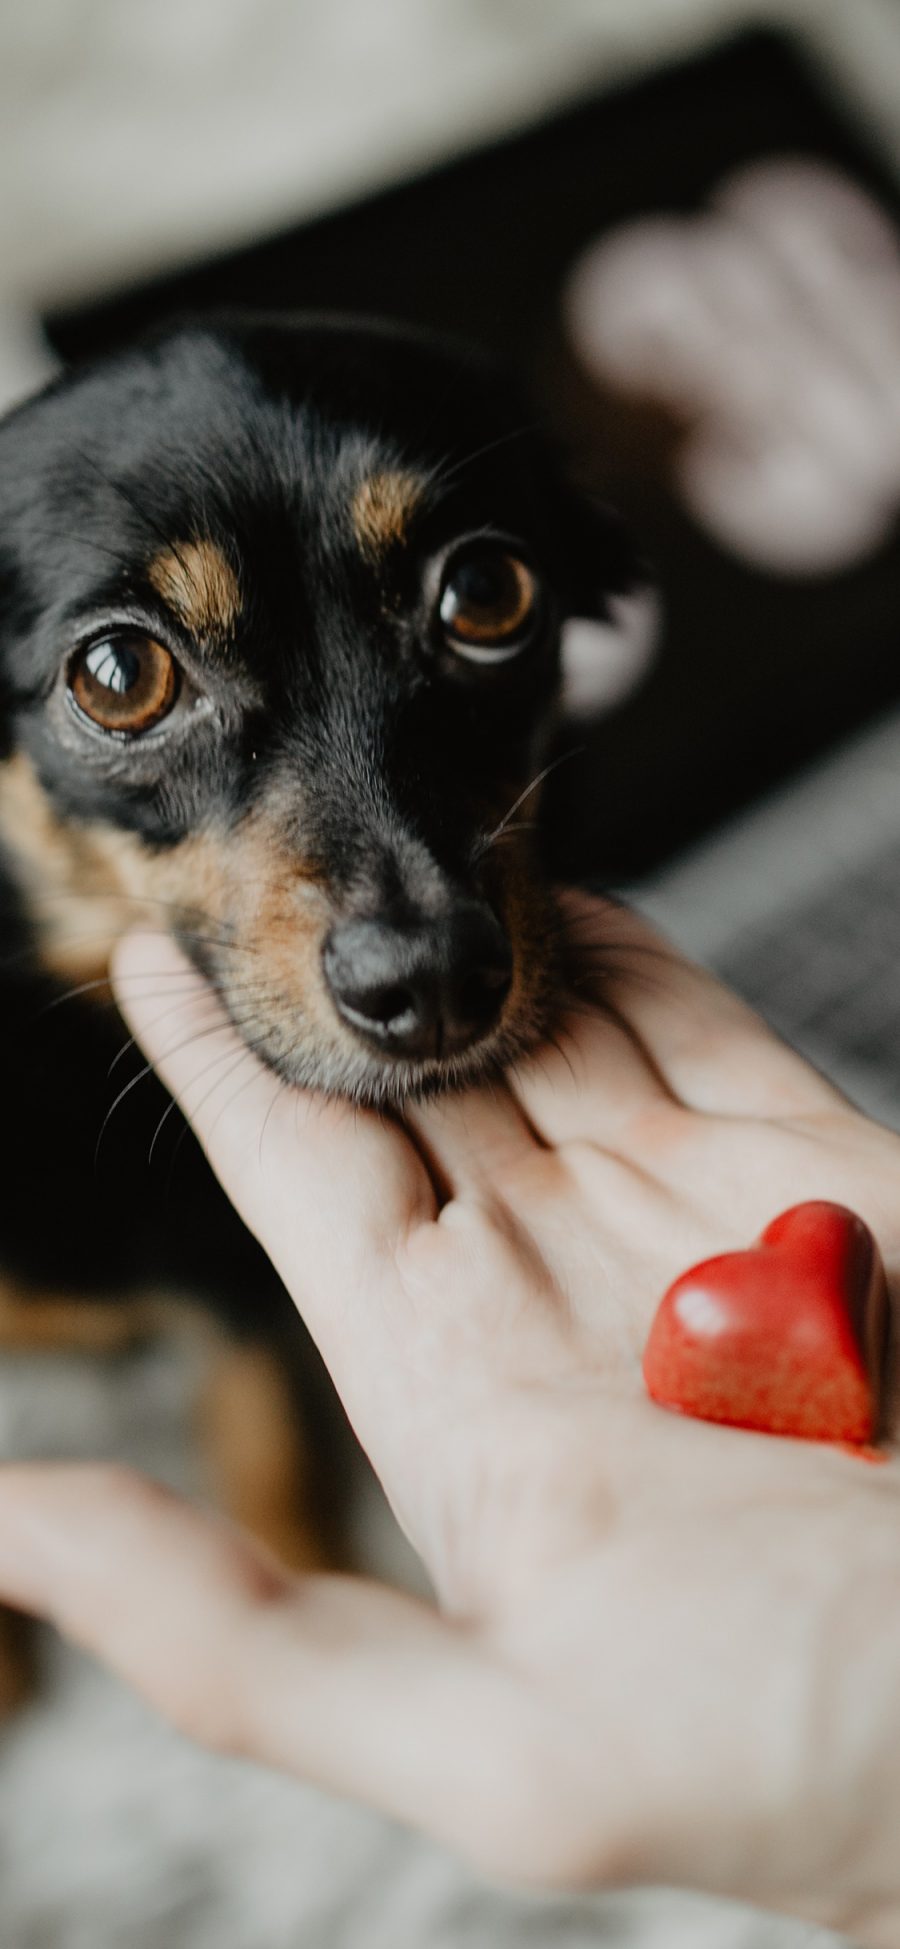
(659, 1650)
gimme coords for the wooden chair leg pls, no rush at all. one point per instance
(18, 1660)
(262, 1461)
(54, 1323)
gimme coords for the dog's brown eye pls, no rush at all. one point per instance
(124, 683)
(488, 605)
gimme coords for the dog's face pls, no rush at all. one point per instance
(280, 608)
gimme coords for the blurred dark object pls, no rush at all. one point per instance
(761, 665)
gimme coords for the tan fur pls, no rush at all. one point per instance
(382, 509)
(52, 862)
(199, 586)
(261, 911)
(85, 885)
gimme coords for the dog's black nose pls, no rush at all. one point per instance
(429, 988)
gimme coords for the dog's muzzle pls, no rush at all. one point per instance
(421, 988)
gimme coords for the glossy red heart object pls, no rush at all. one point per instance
(788, 1337)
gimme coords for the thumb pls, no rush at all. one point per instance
(356, 1688)
(327, 1188)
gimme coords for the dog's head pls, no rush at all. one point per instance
(280, 606)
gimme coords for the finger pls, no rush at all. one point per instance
(303, 1172)
(592, 1075)
(353, 1687)
(478, 1137)
(713, 1052)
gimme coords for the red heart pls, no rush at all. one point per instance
(788, 1337)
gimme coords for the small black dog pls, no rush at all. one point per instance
(280, 605)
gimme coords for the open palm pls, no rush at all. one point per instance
(659, 1649)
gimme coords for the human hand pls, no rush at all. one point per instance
(663, 1650)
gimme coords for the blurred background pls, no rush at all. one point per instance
(678, 221)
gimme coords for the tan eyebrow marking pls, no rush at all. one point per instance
(199, 585)
(382, 508)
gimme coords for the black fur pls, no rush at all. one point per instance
(336, 713)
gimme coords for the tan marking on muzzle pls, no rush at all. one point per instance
(199, 586)
(67, 874)
(261, 911)
(84, 885)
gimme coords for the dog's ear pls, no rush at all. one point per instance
(612, 621)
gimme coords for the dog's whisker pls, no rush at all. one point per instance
(224, 1015)
(557, 1038)
(187, 1130)
(174, 1105)
(139, 510)
(183, 1134)
(245, 1055)
(149, 1069)
(29, 957)
(484, 844)
(117, 555)
(448, 475)
(163, 1016)
(506, 832)
(104, 982)
(277, 1094)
